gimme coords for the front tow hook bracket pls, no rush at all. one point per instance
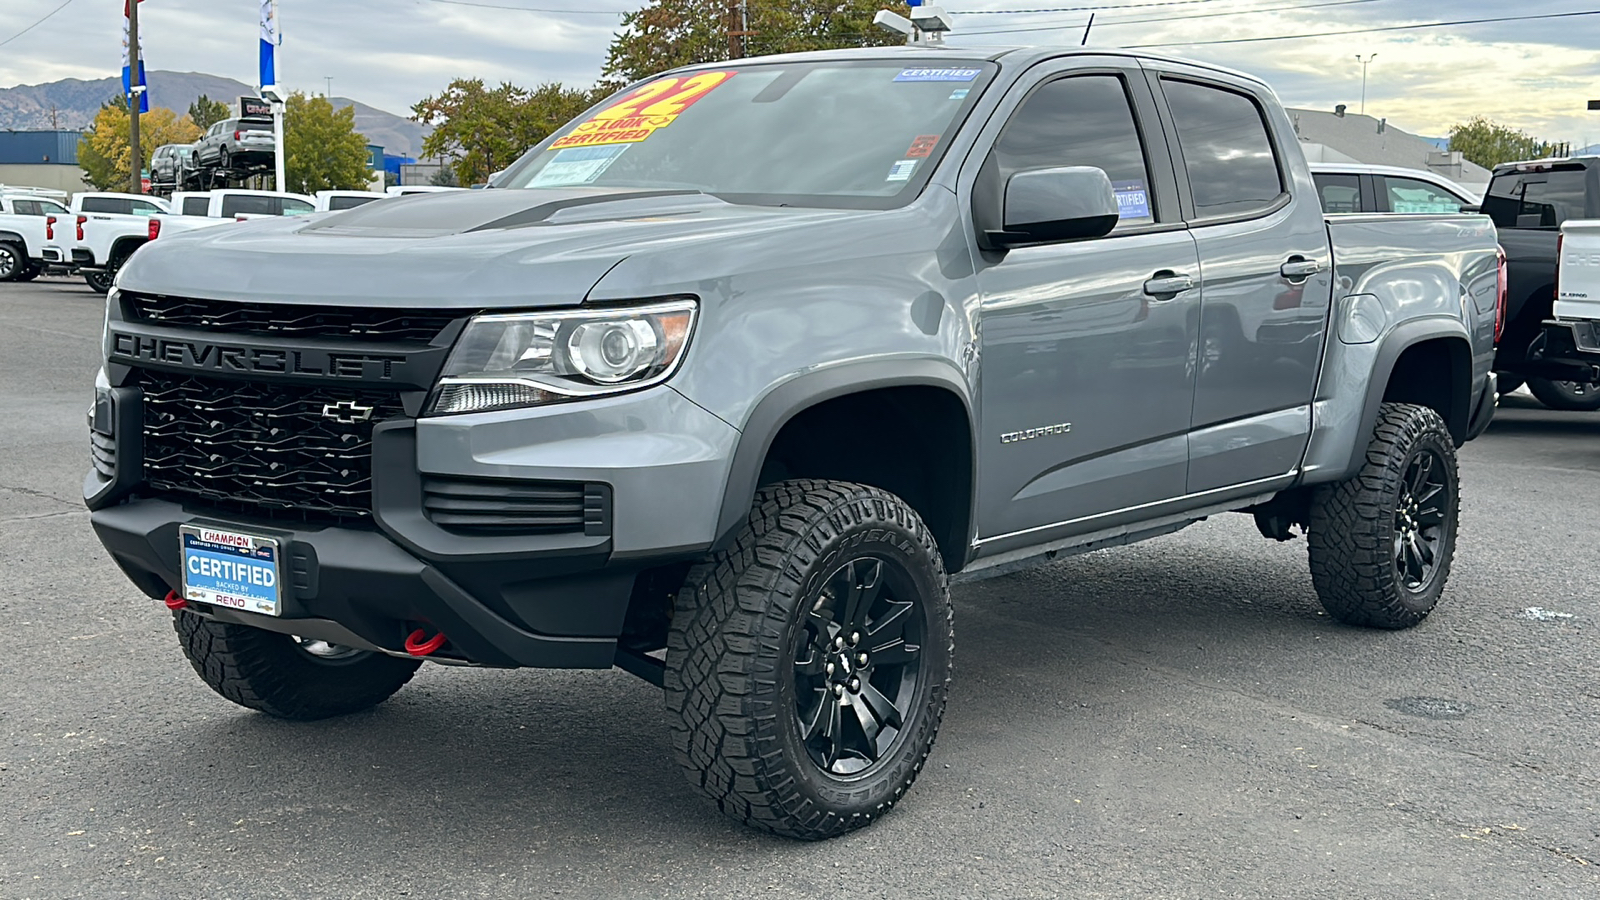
(173, 601)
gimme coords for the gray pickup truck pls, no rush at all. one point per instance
(752, 360)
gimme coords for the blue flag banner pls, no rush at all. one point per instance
(127, 80)
(269, 43)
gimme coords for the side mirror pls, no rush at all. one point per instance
(1060, 204)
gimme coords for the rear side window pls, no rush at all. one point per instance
(1339, 193)
(1226, 150)
(1537, 199)
(1084, 120)
(107, 205)
(1410, 195)
(250, 205)
(26, 207)
(337, 203)
(196, 206)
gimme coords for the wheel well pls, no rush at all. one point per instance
(914, 442)
(1438, 374)
(124, 248)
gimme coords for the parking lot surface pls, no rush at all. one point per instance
(1173, 719)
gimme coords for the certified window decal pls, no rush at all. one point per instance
(938, 74)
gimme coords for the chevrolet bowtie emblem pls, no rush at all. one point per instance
(347, 411)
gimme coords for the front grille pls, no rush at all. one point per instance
(500, 506)
(263, 447)
(284, 320)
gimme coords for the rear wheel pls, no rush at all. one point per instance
(807, 664)
(13, 261)
(1382, 542)
(288, 677)
(100, 279)
(1576, 396)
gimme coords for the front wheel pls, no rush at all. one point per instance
(807, 664)
(1575, 396)
(1381, 543)
(284, 676)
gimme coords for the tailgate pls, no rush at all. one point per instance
(1578, 271)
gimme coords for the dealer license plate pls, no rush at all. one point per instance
(226, 568)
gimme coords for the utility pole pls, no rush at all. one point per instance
(136, 152)
(738, 29)
(1364, 63)
(328, 91)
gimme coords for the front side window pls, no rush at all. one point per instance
(1409, 195)
(1537, 199)
(51, 208)
(833, 134)
(1226, 150)
(1339, 193)
(294, 207)
(1084, 120)
(141, 207)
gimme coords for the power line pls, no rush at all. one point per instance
(36, 24)
(1183, 18)
(571, 12)
(1022, 12)
(1296, 37)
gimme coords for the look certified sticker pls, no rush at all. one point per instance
(225, 568)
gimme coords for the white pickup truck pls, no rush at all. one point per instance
(29, 218)
(1577, 305)
(106, 229)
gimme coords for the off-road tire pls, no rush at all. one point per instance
(1570, 396)
(269, 672)
(1354, 528)
(735, 641)
(13, 261)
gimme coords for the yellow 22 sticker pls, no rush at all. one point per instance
(631, 120)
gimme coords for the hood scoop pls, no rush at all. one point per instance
(461, 212)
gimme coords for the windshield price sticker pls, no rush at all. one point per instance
(901, 171)
(577, 165)
(938, 74)
(224, 568)
(643, 111)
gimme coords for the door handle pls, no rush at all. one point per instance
(1166, 284)
(1298, 268)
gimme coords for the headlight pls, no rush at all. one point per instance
(529, 359)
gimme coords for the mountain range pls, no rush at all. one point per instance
(71, 103)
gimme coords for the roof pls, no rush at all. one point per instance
(1375, 142)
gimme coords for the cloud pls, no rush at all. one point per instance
(1534, 75)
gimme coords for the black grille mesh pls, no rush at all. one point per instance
(267, 447)
(283, 320)
(103, 454)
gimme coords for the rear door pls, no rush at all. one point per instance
(1087, 347)
(1265, 260)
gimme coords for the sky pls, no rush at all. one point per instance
(1535, 75)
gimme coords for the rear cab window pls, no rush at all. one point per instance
(113, 205)
(250, 205)
(1540, 197)
(338, 203)
(196, 206)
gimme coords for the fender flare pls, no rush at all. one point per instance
(789, 398)
(1402, 338)
(12, 237)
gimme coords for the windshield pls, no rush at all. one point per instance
(846, 134)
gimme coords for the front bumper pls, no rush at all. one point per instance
(541, 600)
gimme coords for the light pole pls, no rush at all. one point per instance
(328, 91)
(1364, 63)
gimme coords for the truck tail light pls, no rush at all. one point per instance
(1502, 282)
(236, 134)
(49, 228)
(155, 229)
(81, 220)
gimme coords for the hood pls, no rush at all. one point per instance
(462, 249)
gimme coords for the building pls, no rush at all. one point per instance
(47, 159)
(1342, 136)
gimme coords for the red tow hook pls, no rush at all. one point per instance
(173, 601)
(416, 646)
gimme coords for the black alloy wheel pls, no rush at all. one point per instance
(1420, 526)
(856, 667)
(1570, 396)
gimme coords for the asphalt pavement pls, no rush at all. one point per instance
(1173, 719)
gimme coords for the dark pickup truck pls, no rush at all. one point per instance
(1529, 201)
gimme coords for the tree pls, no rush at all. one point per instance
(321, 148)
(1489, 143)
(484, 130)
(669, 33)
(206, 112)
(103, 150)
